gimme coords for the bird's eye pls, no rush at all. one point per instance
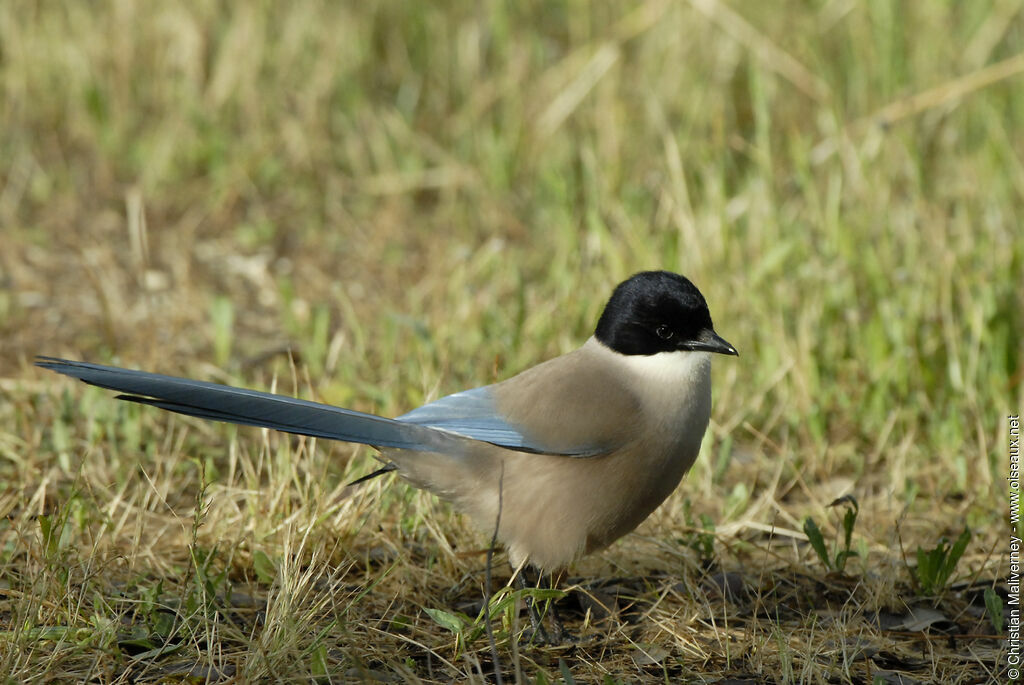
(664, 332)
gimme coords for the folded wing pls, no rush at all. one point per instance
(473, 413)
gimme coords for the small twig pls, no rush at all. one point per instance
(487, 582)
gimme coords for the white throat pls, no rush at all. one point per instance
(675, 386)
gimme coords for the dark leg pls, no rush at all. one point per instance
(540, 635)
(561, 634)
(536, 620)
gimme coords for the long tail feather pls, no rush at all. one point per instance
(252, 408)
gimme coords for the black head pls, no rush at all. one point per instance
(658, 311)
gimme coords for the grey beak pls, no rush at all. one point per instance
(709, 341)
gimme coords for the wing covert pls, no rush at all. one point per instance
(474, 414)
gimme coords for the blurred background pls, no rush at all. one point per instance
(414, 201)
(408, 200)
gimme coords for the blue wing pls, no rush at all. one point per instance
(473, 414)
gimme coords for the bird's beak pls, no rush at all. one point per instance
(709, 341)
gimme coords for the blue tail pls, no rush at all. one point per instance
(253, 408)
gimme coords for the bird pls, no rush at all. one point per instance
(559, 461)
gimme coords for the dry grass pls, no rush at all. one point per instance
(415, 200)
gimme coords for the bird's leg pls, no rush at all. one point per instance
(545, 581)
(536, 620)
(561, 634)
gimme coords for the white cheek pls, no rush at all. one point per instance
(669, 378)
(670, 383)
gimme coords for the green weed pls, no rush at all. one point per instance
(842, 551)
(935, 566)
